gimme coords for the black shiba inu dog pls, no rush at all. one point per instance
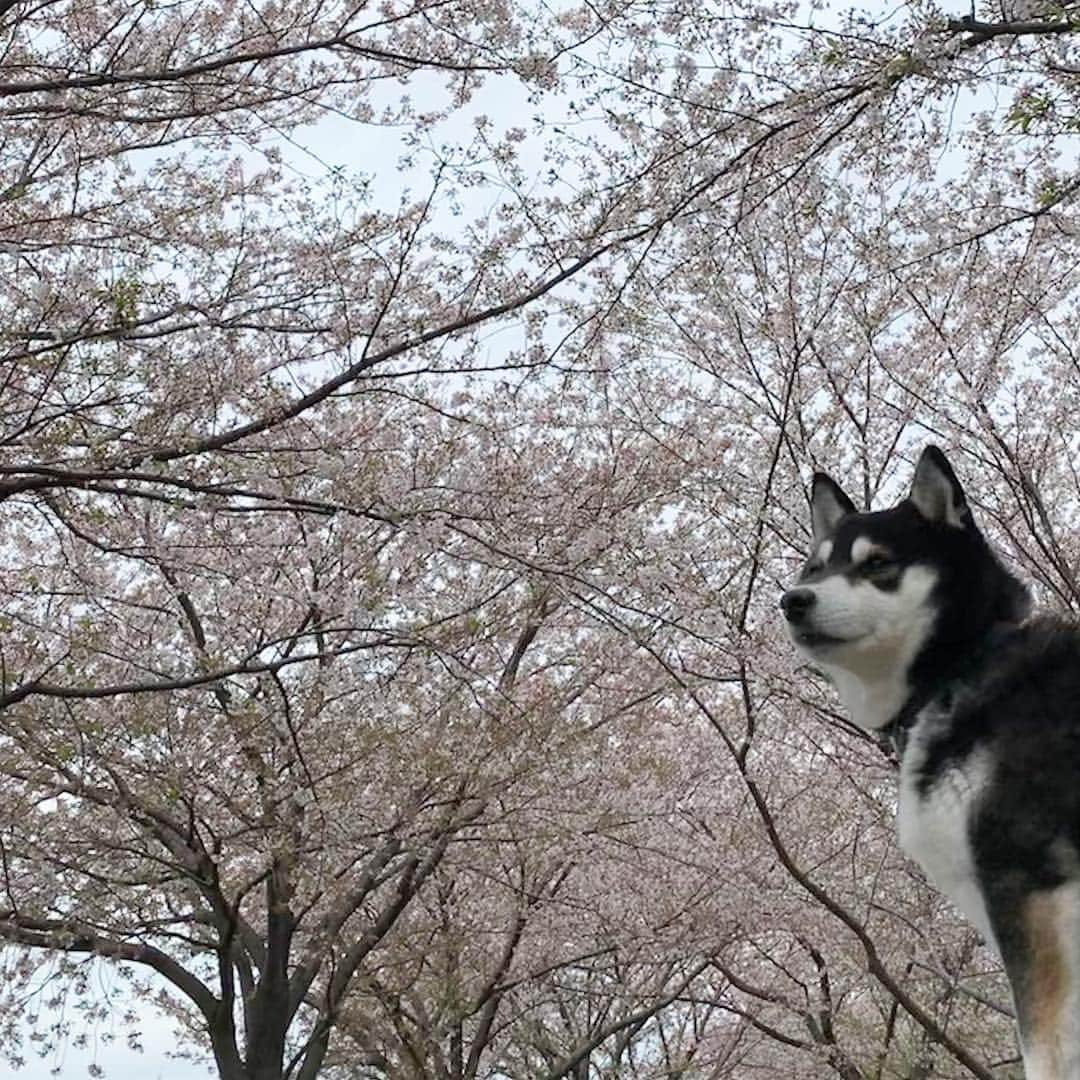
(925, 635)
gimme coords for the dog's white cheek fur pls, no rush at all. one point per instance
(888, 629)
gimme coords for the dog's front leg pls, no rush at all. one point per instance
(1038, 932)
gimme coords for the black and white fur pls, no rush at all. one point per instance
(926, 636)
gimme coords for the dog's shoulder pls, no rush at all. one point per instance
(989, 771)
(998, 755)
(1030, 819)
(1018, 692)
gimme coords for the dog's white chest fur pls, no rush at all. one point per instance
(934, 827)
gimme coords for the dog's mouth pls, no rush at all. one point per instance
(816, 639)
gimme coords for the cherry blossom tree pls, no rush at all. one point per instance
(405, 417)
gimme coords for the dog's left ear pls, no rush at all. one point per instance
(937, 493)
(828, 504)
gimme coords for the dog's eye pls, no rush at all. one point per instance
(878, 564)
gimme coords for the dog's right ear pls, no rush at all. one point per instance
(828, 504)
(936, 493)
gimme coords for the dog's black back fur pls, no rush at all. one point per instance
(1025, 707)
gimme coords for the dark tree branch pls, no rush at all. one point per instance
(984, 31)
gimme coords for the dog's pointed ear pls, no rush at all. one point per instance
(828, 504)
(936, 493)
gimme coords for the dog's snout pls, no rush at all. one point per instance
(796, 603)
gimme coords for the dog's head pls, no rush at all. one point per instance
(892, 599)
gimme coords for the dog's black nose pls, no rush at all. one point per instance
(796, 603)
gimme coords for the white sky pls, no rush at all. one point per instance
(116, 1058)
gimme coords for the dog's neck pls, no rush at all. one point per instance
(874, 702)
(897, 729)
(939, 682)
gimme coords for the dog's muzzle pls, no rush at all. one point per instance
(797, 604)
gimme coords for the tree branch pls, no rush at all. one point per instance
(983, 31)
